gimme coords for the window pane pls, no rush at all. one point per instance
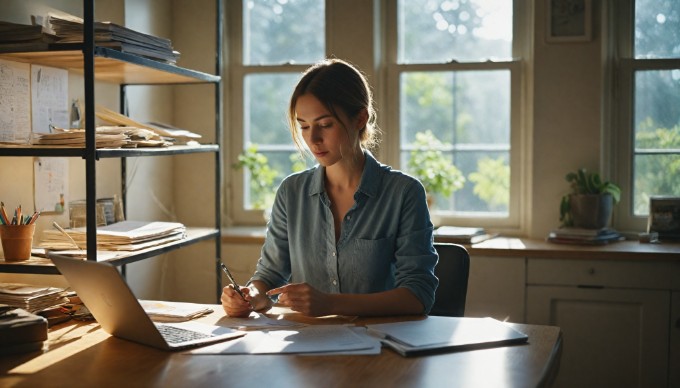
(470, 113)
(655, 175)
(657, 29)
(657, 136)
(265, 103)
(283, 31)
(432, 31)
(266, 99)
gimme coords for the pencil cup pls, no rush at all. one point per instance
(17, 241)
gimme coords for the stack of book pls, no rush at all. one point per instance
(21, 331)
(32, 298)
(461, 235)
(15, 36)
(582, 236)
(121, 236)
(69, 29)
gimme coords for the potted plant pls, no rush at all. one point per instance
(262, 177)
(590, 203)
(434, 170)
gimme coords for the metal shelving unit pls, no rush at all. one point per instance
(112, 66)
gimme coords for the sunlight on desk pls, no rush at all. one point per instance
(59, 347)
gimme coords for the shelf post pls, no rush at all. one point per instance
(90, 143)
(219, 28)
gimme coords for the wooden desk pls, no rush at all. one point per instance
(82, 354)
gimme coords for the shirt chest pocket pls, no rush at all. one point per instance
(370, 263)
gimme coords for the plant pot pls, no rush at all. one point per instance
(591, 211)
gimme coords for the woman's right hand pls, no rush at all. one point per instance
(233, 304)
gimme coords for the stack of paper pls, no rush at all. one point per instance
(313, 339)
(570, 235)
(69, 29)
(31, 298)
(161, 311)
(121, 236)
(105, 137)
(173, 134)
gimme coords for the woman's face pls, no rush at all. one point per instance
(326, 136)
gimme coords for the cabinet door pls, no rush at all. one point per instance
(496, 288)
(611, 337)
(674, 377)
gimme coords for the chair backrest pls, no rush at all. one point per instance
(452, 270)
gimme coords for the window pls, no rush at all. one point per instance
(649, 75)
(448, 69)
(278, 40)
(458, 90)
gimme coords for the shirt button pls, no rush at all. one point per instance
(333, 254)
(349, 218)
(335, 282)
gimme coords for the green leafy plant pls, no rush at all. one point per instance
(434, 170)
(584, 182)
(261, 177)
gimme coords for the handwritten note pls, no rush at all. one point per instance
(50, 183)
(49, 98)
(15, 102)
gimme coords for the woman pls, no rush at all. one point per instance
(349, 236)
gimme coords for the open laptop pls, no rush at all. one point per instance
(105, 293)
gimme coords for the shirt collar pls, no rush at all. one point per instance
(370, 177)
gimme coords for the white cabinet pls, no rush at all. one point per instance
(614, 318)
(496, 288)
(674, 358)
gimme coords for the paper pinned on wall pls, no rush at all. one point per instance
(15, 102)
(50, 184)
(49, 98)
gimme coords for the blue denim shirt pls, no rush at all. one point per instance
(386, 239)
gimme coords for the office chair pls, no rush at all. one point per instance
(452, 270)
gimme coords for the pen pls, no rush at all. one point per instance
(231, 279)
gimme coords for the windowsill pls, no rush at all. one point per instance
(518, 247)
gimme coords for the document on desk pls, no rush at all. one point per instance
(312, 339)
(437, 334)
(257, 321)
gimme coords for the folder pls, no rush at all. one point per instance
(440, 334)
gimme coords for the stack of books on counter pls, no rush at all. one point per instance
(461, 235)
(121, 236)
(582, 236)
(32, 298)
(21, 331)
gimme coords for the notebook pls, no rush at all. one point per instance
(438, 334)
(115, 307)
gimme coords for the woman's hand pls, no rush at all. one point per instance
(233, 304)
(303, 298)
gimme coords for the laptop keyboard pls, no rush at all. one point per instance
(175, 335)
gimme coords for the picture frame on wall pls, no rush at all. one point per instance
(664, 217)
(568, 21)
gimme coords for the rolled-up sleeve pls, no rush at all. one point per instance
(415, 254)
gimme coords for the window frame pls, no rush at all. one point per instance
(622, 129)
(516, 221)
(378, 60)
(238, 71)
